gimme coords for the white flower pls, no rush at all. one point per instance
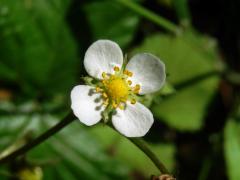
(118, 87)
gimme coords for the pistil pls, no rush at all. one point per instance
(116, 88)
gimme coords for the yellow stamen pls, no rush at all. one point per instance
(133, 101)
(115, 105)
(104, 75)
(116, 69)
(105, 95)
(106, 102)
(137, 87)
(117, 88)
(121, 106)
(125, 72)
(129, 82)
(129, 73)
(98, 89)
(136, 91)
(104, 82)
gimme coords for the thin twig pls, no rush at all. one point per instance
(160, 21)
(191, 82)
(143, 146)
(196, 79)
(25, 148)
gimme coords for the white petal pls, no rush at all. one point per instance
(86, 104)
(148, 71)
(134, 121)
(101, 57)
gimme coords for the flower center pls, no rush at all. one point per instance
(116, 89)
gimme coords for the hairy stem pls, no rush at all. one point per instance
(25, 148)
(145, 149)
(162, 22)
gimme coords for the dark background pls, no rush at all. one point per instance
(196, 130)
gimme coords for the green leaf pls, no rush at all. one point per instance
(185, 57)
(167, 89)
(73, 148)
(232, 148)
(109, 20)
(35, 45)
(78, 150)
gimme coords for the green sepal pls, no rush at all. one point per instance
(88, 80)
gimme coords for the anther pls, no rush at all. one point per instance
(136, 91)
(133, 101)
(116, 69)
(104, 74)
(106, 102)
(115, 105)
(98, 89)
(137, 87)
(129, 82)
(121, 106)
(104, 82)
(125, 72)
(105, 95)
(129, 73)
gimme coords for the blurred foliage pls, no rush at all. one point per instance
(186, 56)
(35, 46)
(127, 152)
(117, 24)
(232, 148)
(41, 60)
(71, 154)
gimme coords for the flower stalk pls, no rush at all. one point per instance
(160, 21)
(140, 143)
(25, 148)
